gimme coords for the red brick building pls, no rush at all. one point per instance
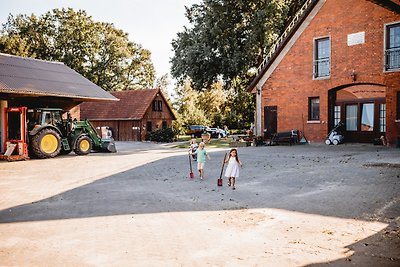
(339, 60)
(137, 113)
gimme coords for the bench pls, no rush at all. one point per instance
(290, 137)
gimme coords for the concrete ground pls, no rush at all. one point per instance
(304, 205)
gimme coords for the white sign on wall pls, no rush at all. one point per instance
(356, 38)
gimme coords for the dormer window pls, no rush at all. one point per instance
(322, 58)
(392, 50)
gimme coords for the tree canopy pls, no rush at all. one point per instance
(97, 50)
(226, 39)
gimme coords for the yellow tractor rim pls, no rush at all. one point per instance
(84, 145)
(49, 143)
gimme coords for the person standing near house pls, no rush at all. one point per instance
(232, 170)
(201, 159)
(226, 130)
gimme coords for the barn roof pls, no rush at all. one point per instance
(21, 76)
(133, 105)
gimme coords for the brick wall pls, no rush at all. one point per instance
(290, 85)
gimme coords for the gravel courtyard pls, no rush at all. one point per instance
(303, 205)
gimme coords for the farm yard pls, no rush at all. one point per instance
(301, 205)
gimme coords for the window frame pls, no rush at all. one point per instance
(363, 117)
(337, 114)
(382, 118)
(315, 58)
(312, 118)
(356, 116)
(157, 105)
(385, 46)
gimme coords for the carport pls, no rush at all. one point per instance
(37, 83)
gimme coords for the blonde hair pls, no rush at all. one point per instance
(202, 144)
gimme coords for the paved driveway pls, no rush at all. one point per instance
(293, 206)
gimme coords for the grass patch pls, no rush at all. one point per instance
(182, 138)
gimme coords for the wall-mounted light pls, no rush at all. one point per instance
(258, 89)
(353, 76)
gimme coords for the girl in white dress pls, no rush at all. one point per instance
(232, 171)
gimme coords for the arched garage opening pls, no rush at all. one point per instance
(362, 109)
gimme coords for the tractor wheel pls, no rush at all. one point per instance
(335, 142)
(83, 145)
(46, 144)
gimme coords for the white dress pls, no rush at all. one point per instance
(233, 168)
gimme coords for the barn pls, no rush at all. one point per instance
(33, 83)
(138, 113)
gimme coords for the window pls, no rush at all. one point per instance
(392, 52)
(336, 115)
(322, 58)
(164, 125)
(313, 108)
(382, 118)
(351, 117)
(47, 117)
(367, 117)
(157, 105)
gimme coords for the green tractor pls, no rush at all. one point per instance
(51, 135)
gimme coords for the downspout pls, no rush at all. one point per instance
(258, 113)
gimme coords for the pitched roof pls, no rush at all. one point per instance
(133, 105)
(33, 77)
(393, 5)
(293, 27)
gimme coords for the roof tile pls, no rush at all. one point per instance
(133, 105)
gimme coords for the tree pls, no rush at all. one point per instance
(98, 51)
(188, 108)
(226, 40)
(228, 37)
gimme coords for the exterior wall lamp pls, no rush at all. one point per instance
(353, 76)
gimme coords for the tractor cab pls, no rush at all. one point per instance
(39, 118)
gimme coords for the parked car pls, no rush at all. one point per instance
(216, 132)
(196, 130)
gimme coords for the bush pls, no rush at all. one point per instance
(162, 135)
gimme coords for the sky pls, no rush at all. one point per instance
(151, 23)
